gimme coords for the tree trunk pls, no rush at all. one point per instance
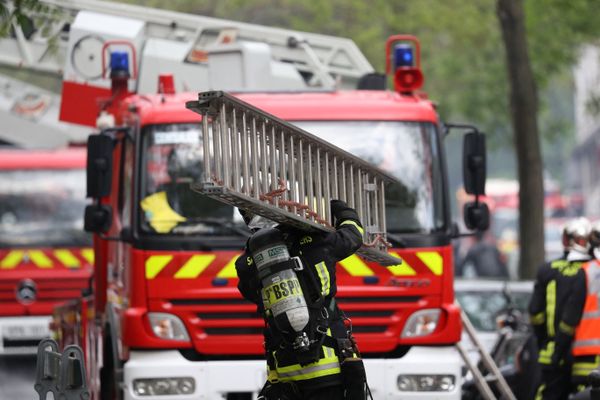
(523, 101)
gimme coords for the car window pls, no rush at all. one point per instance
(482, 307)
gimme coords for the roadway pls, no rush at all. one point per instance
(17, 375)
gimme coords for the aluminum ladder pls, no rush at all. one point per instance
(260, 163)
(494, 375)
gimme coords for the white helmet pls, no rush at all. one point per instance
(578, 234)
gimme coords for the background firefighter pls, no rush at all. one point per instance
(320, 361)
(556, 308)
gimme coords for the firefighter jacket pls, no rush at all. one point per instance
(319, 252)
(586, 345)
(556, 308)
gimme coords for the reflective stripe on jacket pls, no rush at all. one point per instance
(587, 334)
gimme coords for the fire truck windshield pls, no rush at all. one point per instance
(42, 208)
(407, 150)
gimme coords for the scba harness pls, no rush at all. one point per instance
(292, 299)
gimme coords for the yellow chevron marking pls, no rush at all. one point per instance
(67, 258)
(155, 264)
(12, 259)
(403, 269)
(40, 259)
(88, 254)
(355, 266)
(195, 266)
(433, 260)
(229, 270)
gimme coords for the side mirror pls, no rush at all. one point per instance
(99, 165)
(97, 218)
(474, 163)
(477, 216)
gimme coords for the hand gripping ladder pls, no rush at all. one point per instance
(495, 376)
(260, 163)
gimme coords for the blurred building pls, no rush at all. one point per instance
(586, 157)
(29, 117)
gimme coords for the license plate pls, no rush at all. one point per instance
(27, 331)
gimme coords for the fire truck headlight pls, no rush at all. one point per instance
(421, 323)
(164, 386)
(168, 326)
(426, 383)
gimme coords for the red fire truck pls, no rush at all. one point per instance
(45, 256)
(164, 319)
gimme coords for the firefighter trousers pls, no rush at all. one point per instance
(555, 383)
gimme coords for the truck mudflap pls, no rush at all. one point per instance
(424, 372)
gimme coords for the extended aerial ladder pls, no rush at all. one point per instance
(258, 162)
(325, 61)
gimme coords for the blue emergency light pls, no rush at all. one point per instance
(119, 63)
(403, 55)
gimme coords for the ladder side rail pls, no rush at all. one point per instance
(482, 385)
(37, 52)
(488, 362)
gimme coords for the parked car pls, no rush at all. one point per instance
(498, 312)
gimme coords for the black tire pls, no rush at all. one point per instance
(108, 383)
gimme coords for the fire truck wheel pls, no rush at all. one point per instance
(108, 382)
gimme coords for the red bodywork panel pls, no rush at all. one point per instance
(59, 274)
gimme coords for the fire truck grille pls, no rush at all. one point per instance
(217, 315)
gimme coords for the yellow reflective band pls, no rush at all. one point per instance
(88, 254)
(433, 260)
(229, 270)
(323, 277)
(538, 318)
(550, 307)
(545, 356)
(40, 259)
(353, 223)
(67, 258)
(403, 269)
(355, 266)
(540, 392)
(566, 328)
(195, 266)
(155, 264)
(296, 372)
(12, 259)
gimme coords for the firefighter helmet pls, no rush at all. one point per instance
(578, 234)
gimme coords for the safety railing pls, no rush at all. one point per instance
(258, 162)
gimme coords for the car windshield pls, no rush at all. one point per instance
(42, 208)
(407, 150)
(483, 306)
(173, 158)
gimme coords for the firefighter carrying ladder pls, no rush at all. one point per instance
(260, 163)
(494, 375)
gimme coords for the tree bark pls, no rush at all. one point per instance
(524, 106)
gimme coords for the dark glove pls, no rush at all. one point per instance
(341, 212)
(562, 347)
